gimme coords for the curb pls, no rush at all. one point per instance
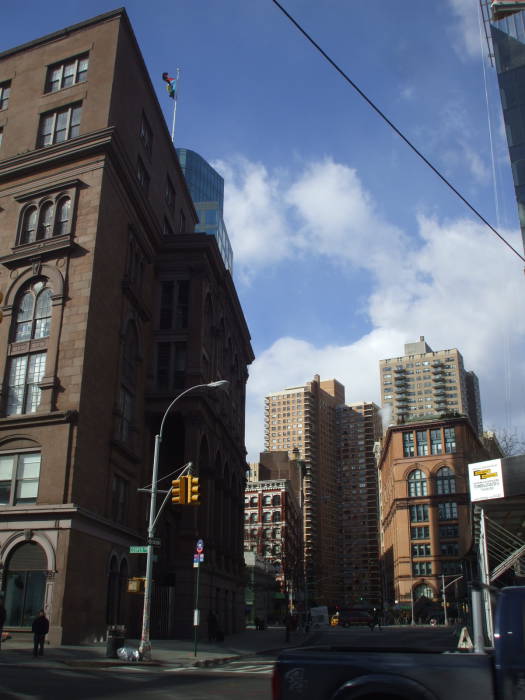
(103, 663)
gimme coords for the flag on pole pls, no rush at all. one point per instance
(171, 85)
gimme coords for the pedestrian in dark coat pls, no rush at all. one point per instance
(2, 619)
(375, 621)
(40, 628)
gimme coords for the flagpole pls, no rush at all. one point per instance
(175, 106)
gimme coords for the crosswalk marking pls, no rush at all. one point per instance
(235, 667)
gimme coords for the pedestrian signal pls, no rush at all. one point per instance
(178, 490)
(193, 497)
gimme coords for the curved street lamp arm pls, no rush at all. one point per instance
(186, 391)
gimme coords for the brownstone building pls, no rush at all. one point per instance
(425, 512)
(112, 306)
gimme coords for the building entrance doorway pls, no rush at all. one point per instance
(25, 585)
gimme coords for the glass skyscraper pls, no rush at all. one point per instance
(508, 40)
(207, 192)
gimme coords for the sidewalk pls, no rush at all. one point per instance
(164, 652)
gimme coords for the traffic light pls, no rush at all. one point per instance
(193, 497)
(178, 490)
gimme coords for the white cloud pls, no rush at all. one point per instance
(292, 362)
(325, 211)
(453, 282)
(339, 218)
(255, 218)
(467, 28)
(407, 93)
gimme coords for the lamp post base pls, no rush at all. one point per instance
(145, 651)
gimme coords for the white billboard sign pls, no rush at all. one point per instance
(486, 480)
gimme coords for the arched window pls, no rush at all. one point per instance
(276, 500)
(417, 483)
(276, 516)
(25, 584)
(33, 317)
(266, 517)
(113, 593)
(42, 312)
(63, 216)
(267, 500)
(445, 481)
(29, 223)
(253, 501)
(45, 221)
(31, 320)
(423, 590)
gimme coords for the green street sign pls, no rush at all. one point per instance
(138, 550)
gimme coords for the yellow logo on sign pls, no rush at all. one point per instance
(484, 473)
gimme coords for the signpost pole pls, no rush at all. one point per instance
(196, 612)
(198, 558)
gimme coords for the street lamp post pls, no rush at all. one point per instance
(443, 589)
(145, 644)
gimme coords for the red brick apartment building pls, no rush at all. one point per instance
(112, 306)
(273, 526)
(425, 511)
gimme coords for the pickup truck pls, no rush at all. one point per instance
(339, 673)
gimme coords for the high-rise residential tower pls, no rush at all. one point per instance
(358, 429)
(206, 187)
(304, 417)
(426, 383)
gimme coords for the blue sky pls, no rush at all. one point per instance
(346, 245)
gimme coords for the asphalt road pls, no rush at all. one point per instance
(236, 681)
(239, 680)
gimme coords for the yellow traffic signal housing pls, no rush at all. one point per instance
(193, 497)
(136, 584)
(178, 490)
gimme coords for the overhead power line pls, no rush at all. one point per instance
(394, 128)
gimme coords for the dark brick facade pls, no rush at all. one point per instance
(134, 318)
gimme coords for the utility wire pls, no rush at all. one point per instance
(394, 127)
